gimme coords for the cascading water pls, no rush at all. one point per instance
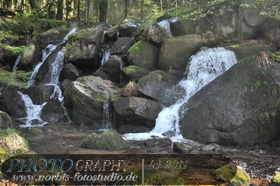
(205, 66)
(106, 123)
(15, 67)
(33, 112)
(51, 79)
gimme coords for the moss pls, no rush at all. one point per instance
(108, 140)
(136, 47)
(36, 131)
(155, 176)
(276, 56)
(231, 173)
(276, 177)
(97, 95)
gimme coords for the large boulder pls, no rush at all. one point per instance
(108, 140)
(122, 45)
(111, 69)
(241, 107)
(143, 54)
(5, 120)
(86, 97)
(160, 86)
(153, 32)
(136, 111)
(84, 46)
(176, 51)
(224, 24)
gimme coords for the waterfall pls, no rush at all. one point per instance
(51, 79)
(105, 56)
(33, 112)
(45, 54)
(107, 120)
(15, 67)
(205, 66)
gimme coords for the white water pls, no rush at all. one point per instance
(33, 112)
(45, 54)
(105, 57)
(72, 31)
(15, 67)
(205, 66)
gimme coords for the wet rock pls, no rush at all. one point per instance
(176, 51)
(132, 129)
(136, 111)
(128, 29)
(111, 69)
(211, 147)
(84, 46)
(240, 107)
(12, 103)
(135, 72)
(152, 31)
(155, 145)
(122, 45)
(160, 86)
(87, 96)
(69, 71)
(143, 54)
(112, 33)
(5, 120)
(108, 140)
(182, 147)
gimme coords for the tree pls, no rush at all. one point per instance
(126, 4)
(59, 12)
(103, 10)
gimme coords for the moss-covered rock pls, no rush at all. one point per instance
(240, 107)
(135, 72)
(12, 142)
(232, 174)
(86, 96)
(276, 177)
(84, 46)
(143, 54)
(108, 140)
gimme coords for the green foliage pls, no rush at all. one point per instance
(50, 23)
(196, 9)
(19, 79)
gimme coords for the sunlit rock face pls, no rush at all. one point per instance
(238, 108)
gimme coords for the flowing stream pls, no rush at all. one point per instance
(205, 66)
(33, 111)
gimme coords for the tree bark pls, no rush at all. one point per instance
(126, 3)
(103, 10)
(59, 10)
(142, 9)
(33, 4)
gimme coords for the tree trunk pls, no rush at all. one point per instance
(87, 10)
(59, 10)
(33, 4)
(142, 9)
(78, 9)
(103, 10)
(126, 3)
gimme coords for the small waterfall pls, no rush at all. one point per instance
(205, 66)
(15, 67)
(45, 54)
(107, 119)
(33, 117)
(105, 56)
(72, 31)
(51, 78)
